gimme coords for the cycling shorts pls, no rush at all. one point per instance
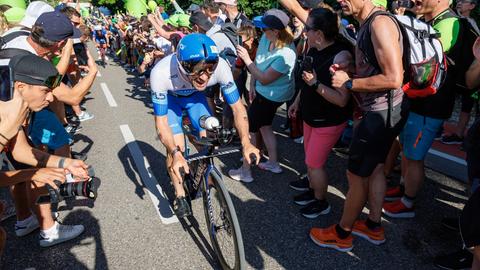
(195, 105)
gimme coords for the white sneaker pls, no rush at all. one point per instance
(241, 174)
(29, 225)
(62, 234)
(298, 140)
(270, 166)
(84, 116)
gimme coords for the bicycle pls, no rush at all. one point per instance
(218, 207)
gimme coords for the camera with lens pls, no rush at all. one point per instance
(88, 189)
(148, 48)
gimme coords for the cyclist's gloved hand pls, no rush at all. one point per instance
(248, 150)
(179, 162)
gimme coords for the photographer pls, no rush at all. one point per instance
(150, 58)
(34, 78)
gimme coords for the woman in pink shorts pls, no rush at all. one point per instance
(324, 110)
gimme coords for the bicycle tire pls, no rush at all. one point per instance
(230, 216)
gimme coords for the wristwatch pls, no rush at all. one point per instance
(177, 149)
(316, 84)
(349, 84)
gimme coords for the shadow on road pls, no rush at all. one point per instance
(25, 252)
(157, 168)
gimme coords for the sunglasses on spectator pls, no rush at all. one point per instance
(51, 82)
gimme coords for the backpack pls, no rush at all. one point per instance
(424, 62)
(460, 56)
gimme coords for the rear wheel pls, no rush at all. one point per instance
(222, 224)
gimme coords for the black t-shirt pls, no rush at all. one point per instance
(316, 110)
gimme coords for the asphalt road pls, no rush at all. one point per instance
(125, 231)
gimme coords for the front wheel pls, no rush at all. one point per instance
(222, 224)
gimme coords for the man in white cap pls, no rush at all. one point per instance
(230, 8)
(34, 10)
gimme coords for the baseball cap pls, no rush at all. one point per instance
(380, 3)
(200, 19)
(308, 4)
(172, 20)
(34, 70)
(227, 2)
(179, 20)
(273, 18)
(34, 10)
(56, 26)
(14, 14)
(183, 20)
(193, 8)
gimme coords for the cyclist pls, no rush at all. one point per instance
(177, 82)
(100, 36)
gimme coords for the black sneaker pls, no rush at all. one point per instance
(315, 209)
(452, 139)
(461, 259)
(451, 224)
(181, 207)
(305, 198)
(301, 184)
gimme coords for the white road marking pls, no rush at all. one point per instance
(158, 197)
(448, 157)
(111, 101)
(99, 74)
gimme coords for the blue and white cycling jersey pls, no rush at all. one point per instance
(172, 93)
(166, 78)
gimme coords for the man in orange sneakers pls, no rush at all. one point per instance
(377, 89)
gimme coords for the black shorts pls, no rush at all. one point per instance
(261, 112)
(372, 139)
(467, 101)
(470, 221)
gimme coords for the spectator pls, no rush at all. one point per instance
(214, 14)
(33, 81)
(463, 258)
(464, 8)
(272, 84)
(233, 15)
(323, 108)
(379, 41)
(428, 114)
(248, 35)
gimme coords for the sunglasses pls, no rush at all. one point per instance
(199, 68)
(51, 82)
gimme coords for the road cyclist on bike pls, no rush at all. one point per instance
(101, 39)
(177, 82)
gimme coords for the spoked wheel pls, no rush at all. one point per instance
(222, 224)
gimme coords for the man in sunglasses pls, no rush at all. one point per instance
(178, 82)
(33, 79)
